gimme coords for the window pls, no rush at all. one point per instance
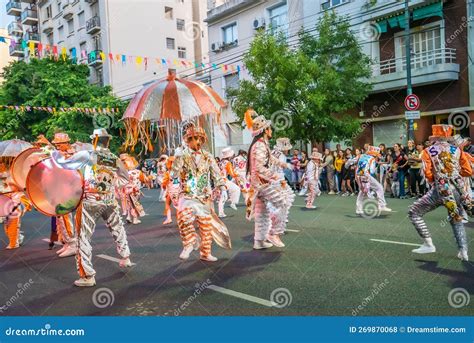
(181, 52)
(49, 12)
(231, 81)
(278, 17)
(61, 33)
(180, 23)
(59, 6)
(50, 38)
(168, 12)
(82, 19)
(230, 34)
(70, 25)
(331, 3)
(170, 43)
(82, 47)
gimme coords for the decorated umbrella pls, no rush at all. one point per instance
(13, 147)
(166, 103)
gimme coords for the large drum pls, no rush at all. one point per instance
(22, 164)
(52, 190)
(7, 206)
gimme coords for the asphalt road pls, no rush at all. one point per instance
(335, 263)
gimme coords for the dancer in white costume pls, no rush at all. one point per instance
(232, 182)
(267, 186)
(313, 171)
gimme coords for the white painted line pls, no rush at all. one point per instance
(244, 296)
(395, 242)
(290, 230)
(113, 259)
(48, 240)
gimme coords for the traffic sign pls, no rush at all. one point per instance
(412, 102)
(410, 115)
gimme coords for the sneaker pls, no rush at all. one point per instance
(187, 250)
(14, 247)
(233, 206)
(258, 245)
(136, 221)
(276, 241)
(85, 282)
(310, 207)
(385, 209)
(345, 194)
(21, 239)
(125, 263)
(168, 221)
(222, 215)
(359, 212)
(64, 247)
(425, 249)
(332, 193)
(462, 255)
(69, 251)
(353, 194)
(208, 258)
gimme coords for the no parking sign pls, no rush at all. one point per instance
(412, 102)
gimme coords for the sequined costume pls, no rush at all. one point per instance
(131, 191)
(232, 182)
(444, 166)
(240, 166)
(313, 172)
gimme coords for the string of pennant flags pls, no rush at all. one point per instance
(88, 110)
(41, 50)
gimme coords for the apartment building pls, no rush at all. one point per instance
(23, 27)
(442, 39)
(5, 57)
(92, 29)
(232, 24)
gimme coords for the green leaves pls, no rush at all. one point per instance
(49, 83)
(316, 82)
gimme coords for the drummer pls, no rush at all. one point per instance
(65, 224)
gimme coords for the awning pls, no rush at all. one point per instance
(433, 10)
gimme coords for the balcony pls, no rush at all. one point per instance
(91, 2)
(47, 25)
(15, 29)
(13, 8)
(29, 17)
(93, 25)
(228, 7)
(31, 37)
(28, 1)
(68, 11)
(17, 50)
(94, 59)
(427, 67)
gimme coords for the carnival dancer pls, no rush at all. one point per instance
(193, 170)
(160, 173)
(65, 224)
(19, 205)
(102, 169)
(232, 182)
(240, 166)
(444, 166)
(365, 177)
(171, 191)
(313, 171)
(132, 190)
(267, 186)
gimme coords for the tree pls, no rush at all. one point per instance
(307, 89)
(50, 83)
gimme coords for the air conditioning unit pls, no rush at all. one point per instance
(258, 23)
(216, 47)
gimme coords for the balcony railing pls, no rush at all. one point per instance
(93, 25)
(15, 29)
(13, 8)
(418, 60)
(16, 50)
(31, 36)
(94, 58)
(29, 17)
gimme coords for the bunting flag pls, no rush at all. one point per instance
(41, 50)
(51, 109)
(3, 39)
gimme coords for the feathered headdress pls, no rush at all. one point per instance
(248, 118)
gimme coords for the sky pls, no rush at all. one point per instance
(4, 20)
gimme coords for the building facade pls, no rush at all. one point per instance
(91, 30)
(232, 25)
(5, 57)
(24, 26)
(442, 37)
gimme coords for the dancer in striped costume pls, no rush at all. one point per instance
(313, 171)
(102, 170)
(444, 166)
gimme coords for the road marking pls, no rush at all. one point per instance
(290, 230)
(395, 242)
(48, 241)
(247, 297)
(113, 259)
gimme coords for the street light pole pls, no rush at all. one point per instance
(408, 63)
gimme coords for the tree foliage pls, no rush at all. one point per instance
(314, 84)
(50, 83)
